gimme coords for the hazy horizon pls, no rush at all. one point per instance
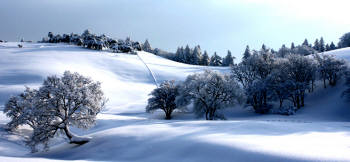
(214, 25)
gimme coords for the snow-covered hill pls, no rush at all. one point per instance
(124, 132)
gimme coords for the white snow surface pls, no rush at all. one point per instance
(124, 132)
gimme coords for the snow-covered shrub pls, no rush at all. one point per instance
(163, 98)
(210, 91)
(61, 102)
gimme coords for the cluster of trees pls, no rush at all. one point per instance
(196, 57)
(96, 42)
(193, 56)
(268, 77)
(263, 79)
(61, 102)
(209, 92)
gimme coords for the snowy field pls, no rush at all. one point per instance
(124, 132)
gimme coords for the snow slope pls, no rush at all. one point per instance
(319, 132)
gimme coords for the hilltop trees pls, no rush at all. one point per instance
(61, 102)
(163, 98)
(93, 41)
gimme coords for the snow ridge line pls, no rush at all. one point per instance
(150, 71)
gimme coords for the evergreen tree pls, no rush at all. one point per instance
(204, 59)
(321, 45)
(215, 60)
(292, 46)
(187, 54)
(306, 43)
(196, 55)
(246, 53)
(147, 46)
(332, 46)
(228, 60)
(317, 45)
(264, 48)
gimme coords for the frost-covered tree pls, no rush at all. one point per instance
(163, 98)
(20, 109)
(303, 50)
(252, 74)
(215, 60)
(228, 59)
(246, 53)
(299, 70)
(210, 91)
(194, 57)
(204, 59)
(283, 51)
(330, 68)
(61, 102)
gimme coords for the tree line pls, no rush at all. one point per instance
(95, 42)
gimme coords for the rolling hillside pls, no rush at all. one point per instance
(124, 132)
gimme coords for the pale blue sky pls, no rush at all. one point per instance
(216, 25)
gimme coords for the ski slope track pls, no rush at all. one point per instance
(124, 132)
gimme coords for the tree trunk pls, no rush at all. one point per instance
(298, 102)
(68, 133)
(168, 115)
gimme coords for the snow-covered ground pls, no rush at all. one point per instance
(124, 132)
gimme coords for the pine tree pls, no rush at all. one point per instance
(306, 43)
(196, 55)
(228, 60)
(332, 46)
(204, 59)
(327, 47)
(215, 60)
(147, 46)
(187, 54)
(321, 45)
(246, 53)
(264, 48)
(292, 46)
(317, 45)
